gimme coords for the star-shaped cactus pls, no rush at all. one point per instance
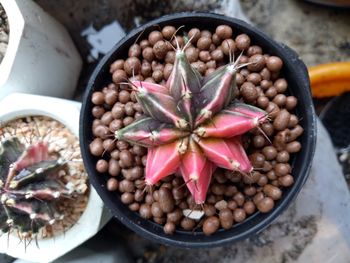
(192, 125)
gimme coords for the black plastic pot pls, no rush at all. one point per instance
(294, 71)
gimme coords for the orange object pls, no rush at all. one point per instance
(330, 79)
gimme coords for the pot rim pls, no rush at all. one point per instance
(293, 65)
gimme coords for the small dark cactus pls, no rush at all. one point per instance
(29, 187)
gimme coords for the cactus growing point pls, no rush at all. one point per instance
(192, 125)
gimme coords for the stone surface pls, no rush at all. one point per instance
(318, 34)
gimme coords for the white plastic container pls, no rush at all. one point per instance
(95, 215)
(40, 57)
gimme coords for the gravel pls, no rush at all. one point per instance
(4, 32)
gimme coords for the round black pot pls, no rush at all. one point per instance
(294, 71)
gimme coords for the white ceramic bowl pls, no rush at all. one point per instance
(95, 215)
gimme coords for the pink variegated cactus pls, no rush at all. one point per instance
(29, 187)
(192, 125)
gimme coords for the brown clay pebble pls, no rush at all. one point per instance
(134, 50)
(216, 39)
(126, 186)
(228, 46)
(157, 75)
(223, 31)
(281, 121)
(199, 66)
(249, 207)
(209, 210)
(211, 225)
(280, 99)
(204, 43)
(271, 93)
(111, 97)
(265, 84)
(232, 205)
(272, 191)
(154, 36)
(113, 167)
(107, 118)
(262, 180)
(134, 207)
(194, 34)
(270, 152)
(254, 78)
(253, 50)
(239, 215)
(97, 98)
(217, 55)
(139, 195)
(206, 33)
(274, 63)
(166, 200)
(265, 74)
(257, 160)
(291, 102)
(286, 180)
(187, 223)
(124, 96)
(156, 210)
(258, 63)
(242, 42)
(169, 228)
(258, 197)
(265, 205)
(175, 216)
(96, 147)
(248, 92)
(108, 145)
(160, 49)
(132, 66)
(258, 141)
(127, 198)
(145, 211)
(118, 111)
(293, 147)
(282, 157)
(126, 158)
(168, 32)
(144, 43)
(112, 184)
(119, 76)
(226, 218)
(102, 166)
(262, 102)
(249, 190)
(127, 120)
(281, 85)
(293, 121)
(148, 55)
(98, 111)
(192, 54)
(118, 64)
(295, 133)
(239, 198)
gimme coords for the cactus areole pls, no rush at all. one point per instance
(29, 187)
(192, 125)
